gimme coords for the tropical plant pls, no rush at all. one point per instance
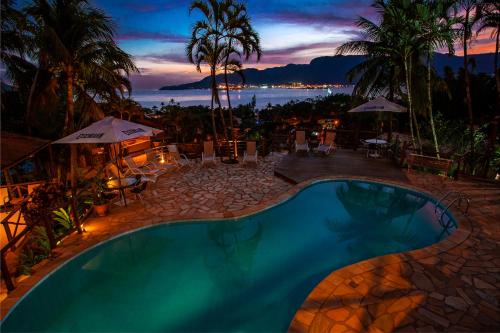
(467, 14)
(205, 45)
(74, 41)
(438, 33)
(63, 217)
(491, 20)
(241, 39)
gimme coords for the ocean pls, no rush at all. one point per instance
(150, 98)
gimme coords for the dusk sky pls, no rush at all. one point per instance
(155, 33)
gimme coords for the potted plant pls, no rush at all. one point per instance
(100, 202)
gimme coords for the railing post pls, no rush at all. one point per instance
(6, 275)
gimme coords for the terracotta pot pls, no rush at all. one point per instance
(101, 210)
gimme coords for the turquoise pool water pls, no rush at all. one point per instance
(245, 275)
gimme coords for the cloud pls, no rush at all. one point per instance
(155, 36)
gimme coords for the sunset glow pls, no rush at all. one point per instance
(155, 33)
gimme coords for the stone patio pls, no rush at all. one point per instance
(450, 286)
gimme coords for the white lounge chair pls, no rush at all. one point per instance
(251, 152)
(328, 145)
(300, 141)
(146, 172)
(179, 159)
(208, 154)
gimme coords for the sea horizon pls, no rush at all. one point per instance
(192, 97)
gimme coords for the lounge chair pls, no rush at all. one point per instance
(300, 141)
(153, 156)
(179, 159)
(208, 154)
(328, 145)
(146, 172)
(251, 152)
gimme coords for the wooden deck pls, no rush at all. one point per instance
(296, 168)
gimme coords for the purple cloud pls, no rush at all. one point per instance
(157, 36)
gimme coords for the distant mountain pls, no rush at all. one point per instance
(327, 70)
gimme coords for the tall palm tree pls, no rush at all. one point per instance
(438, 33)
(207, 45)
(390, 48)
(380, 72)
(467, 14)
(74, 42)
(205, 51)
(404, 28)
(491, 20)
(242, 40)
(78, 41)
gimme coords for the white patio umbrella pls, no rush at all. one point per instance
(108, 130)
(379, 104)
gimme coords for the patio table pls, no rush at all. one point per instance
(378, 143)
(122, 184)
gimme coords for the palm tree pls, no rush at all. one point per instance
(73, 41)
(207, 45)
(390, 48)
(204, 51)
(467, 15)
(438, 33)
(241, 39)
(77, 40)
(404, 28)
(381, 70)
(491, 20)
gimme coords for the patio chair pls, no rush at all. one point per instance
(179, 159)
(300, 141)
(251, 152)
(152, 158)
(208, 154)
(328, 145)
(138, 189)
(372, 151)
(146, 172)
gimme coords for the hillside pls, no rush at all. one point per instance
(326, 70)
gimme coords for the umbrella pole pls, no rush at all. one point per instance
(119, 173)
(73, 188)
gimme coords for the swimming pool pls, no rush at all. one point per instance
(248, 274)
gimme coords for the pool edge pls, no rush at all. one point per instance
(26, 286)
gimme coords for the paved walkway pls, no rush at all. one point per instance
(299, 167)
(451, 286)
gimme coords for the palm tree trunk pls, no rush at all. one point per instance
(467, 91)
(429, 103)
(221, 113)
(408, 87)
(495, 68)
(68, 129)
(391, 98)
(231, 122)
(29, 104)
(70, 108)
(212, 113)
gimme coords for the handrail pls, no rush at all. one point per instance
(458, 199)
(443, 198)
